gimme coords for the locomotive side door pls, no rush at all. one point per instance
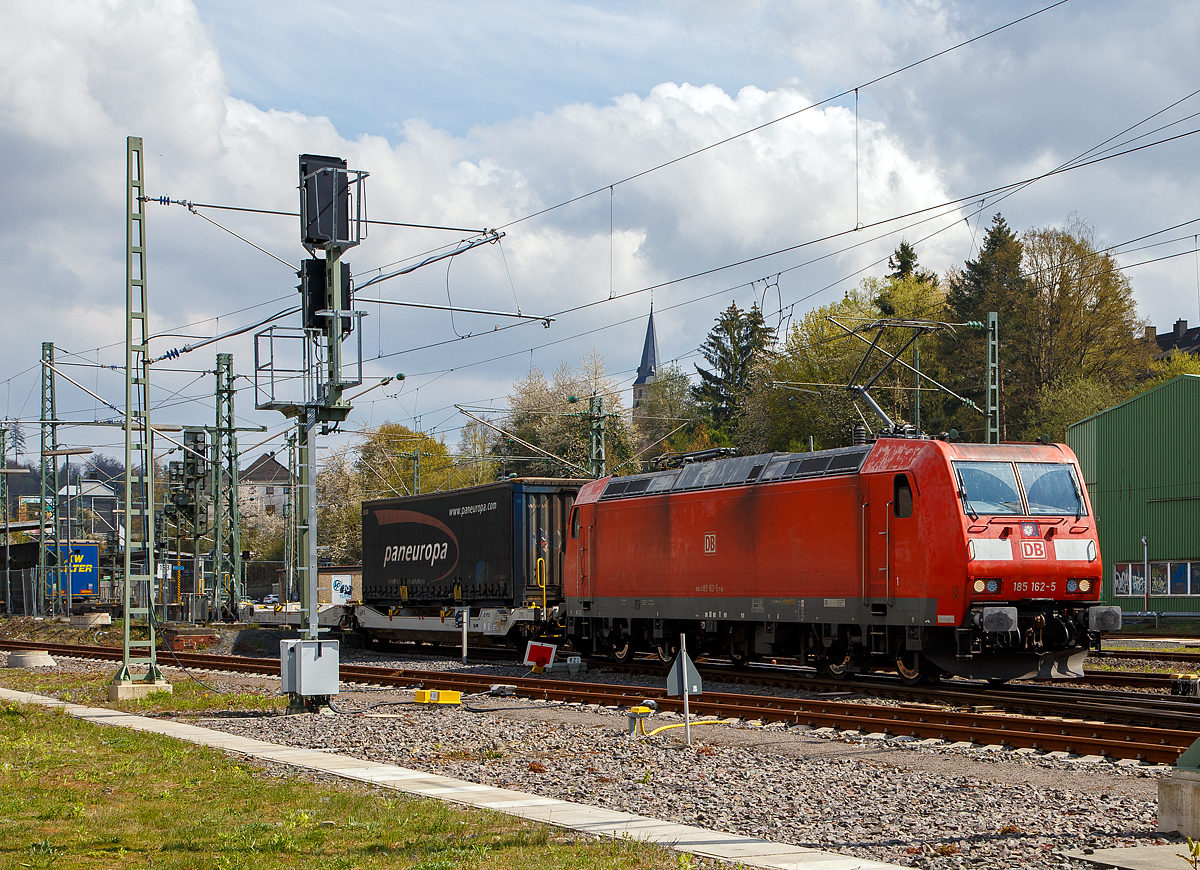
(877, 533)
(585, 559)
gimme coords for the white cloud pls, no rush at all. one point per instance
(76, 77)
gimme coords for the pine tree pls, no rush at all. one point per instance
(731, 348)
(16, 437)
(903, 264)
(992, 282)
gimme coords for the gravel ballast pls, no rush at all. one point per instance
(916, 803)
(909, 802)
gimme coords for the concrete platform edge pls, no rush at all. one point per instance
(747, 851)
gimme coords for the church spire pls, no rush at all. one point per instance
(649, 367)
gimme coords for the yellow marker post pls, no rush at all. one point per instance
(541, 580)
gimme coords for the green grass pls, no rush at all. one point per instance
(1173, 626)
(78, 795)
(187, 696)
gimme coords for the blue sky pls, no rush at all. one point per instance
(476, 114)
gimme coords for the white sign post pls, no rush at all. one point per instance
(684, 679)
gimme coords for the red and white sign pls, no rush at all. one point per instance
(710, 542)
(1033, 549)
(539, 655)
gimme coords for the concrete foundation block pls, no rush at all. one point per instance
(30, 658)
(136, 690)
(1179, 802)
(90, 620)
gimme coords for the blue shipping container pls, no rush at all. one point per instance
(84, 561)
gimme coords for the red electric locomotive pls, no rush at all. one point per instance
(926, 555)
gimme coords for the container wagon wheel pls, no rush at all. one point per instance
(622, 649)
(912, 667)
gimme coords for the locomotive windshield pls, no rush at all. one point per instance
(1051, 488)
(1044, 488)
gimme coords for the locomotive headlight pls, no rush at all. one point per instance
(993, 586)
(980, 586)
(1085, 585)
(1072, 585)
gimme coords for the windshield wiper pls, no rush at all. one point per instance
(1078, 497)
(962, 492)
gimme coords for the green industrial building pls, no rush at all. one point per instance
(1141, 463)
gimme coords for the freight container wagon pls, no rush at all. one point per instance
(492, 554)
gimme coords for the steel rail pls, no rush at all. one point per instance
(1161, 745)
(1148, 655)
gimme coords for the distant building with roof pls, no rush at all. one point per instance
(92, 504)
(1180, 338)
(648, 369)
(263, 487)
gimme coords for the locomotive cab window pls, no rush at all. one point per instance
(902, 496)
(988, 488)
(1051, 488)
(574, 523)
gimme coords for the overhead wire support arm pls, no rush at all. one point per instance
(488, 237)
(71, 380)
(523, 443)
(174, 352)
(191, 206)
(546, 320)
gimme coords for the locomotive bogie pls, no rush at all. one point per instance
(923, 556)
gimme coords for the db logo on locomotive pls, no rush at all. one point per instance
(1033, 549)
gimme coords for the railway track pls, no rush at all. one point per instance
(1156, 744)
(1165, 655)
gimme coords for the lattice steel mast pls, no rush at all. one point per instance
(138, 595)
(993, 378)
(227, 530)
(48, 548)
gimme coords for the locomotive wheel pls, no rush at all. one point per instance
(740, 659)
(622, 650)
(912, 667)
(837, 662)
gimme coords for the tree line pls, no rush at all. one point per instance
(1070, 344)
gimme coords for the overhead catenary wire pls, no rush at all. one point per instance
(763, 126)
(1116, 268)
(1130, 266)
(829, 237)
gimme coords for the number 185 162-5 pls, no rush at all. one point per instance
(1034, 586)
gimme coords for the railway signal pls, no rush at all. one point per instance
(684, 680)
